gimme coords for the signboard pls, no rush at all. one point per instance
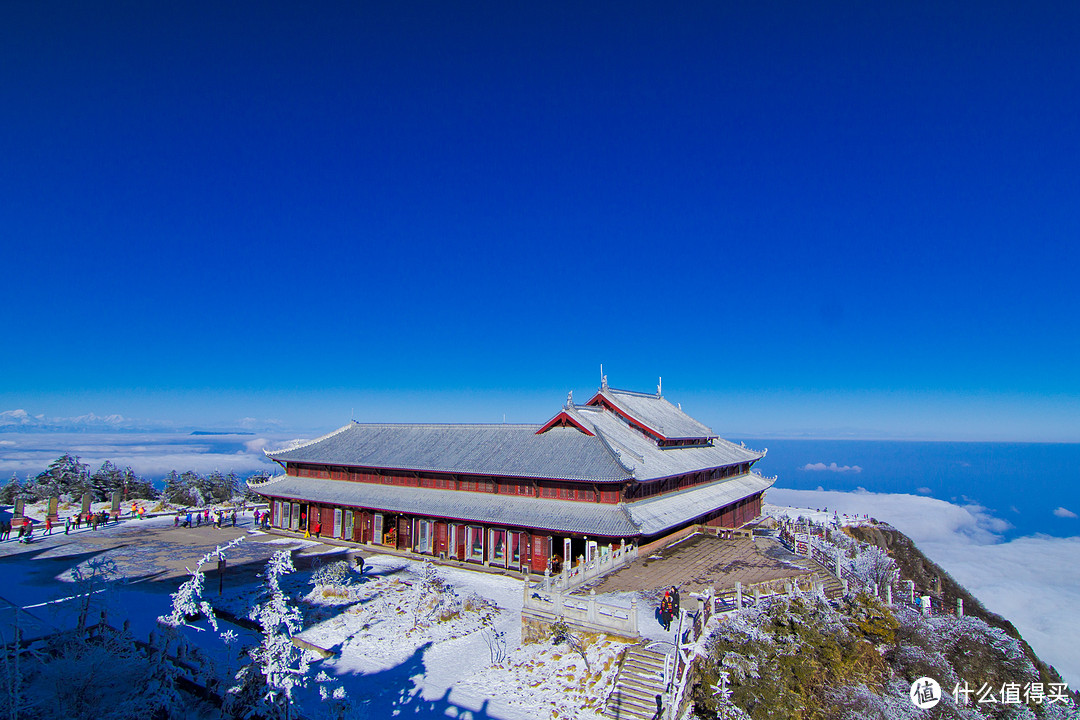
(20, 510)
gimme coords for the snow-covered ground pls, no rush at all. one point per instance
(407, 638)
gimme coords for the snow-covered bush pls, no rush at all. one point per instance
(334, 579)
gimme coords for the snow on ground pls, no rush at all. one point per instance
(402, 643)
(446, 641)
(819, 515)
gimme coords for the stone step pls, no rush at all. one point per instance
(638, 681)
(638, 693)
(637, 666)
(623, 707)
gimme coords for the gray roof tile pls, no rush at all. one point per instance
(507, 450)
(643, 517)
(656, 413)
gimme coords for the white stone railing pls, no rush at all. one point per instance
(588, 570)
(583, 613)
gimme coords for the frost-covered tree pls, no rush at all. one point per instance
(873, 565)
(11, 490)
(176, 490)
(187, 601)
(282, 664)
(64, 476)
(105, 480)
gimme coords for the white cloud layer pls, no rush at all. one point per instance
(1034, 582)
(151, 455)
(831, 467)
(1064, 513)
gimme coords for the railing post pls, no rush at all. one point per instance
(547, 579)
(633, 616)
(959, 607)
(591, 613)
(738, 595)
(909, 591)
(888, 594)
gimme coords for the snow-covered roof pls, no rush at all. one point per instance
(656, 514)
(656, 413)
(643, 517)
(651, 461)
(502, 450)
(608, 450)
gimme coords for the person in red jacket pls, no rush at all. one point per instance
(316, 527)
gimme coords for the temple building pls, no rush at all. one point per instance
(623, 467)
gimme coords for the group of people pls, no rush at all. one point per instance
(71, 522)
(669, 607)
(5, 529)
(262, 519)
(198, 519)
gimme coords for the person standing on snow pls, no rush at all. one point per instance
(665, 610)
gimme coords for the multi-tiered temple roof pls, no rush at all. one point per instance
(616, 437)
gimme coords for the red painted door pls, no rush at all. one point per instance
(440, 537)
(459, 536)
(541, 551)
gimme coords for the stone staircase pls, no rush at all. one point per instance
(640, 680)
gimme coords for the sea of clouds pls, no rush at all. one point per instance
(150, 455)
(1032, 581)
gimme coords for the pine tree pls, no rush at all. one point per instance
(137, 487)
(65, 476)
(177, 490)
(107, 479)
(11, 490)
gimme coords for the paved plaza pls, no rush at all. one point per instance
(153, 554)
(702, 561)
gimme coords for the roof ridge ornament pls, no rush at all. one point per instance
(603, 378)
(659, 382)
(569, 400)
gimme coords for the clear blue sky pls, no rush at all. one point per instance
(826, 218)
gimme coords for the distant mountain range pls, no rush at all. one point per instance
(22, 421)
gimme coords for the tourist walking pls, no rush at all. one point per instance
(67, 525)
(317, 528)
(48, 524)
(256, 517)
(233, 518)
(665, 610)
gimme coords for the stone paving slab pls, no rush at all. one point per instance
(698, 562)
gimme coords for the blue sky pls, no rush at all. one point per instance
(849, 219)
